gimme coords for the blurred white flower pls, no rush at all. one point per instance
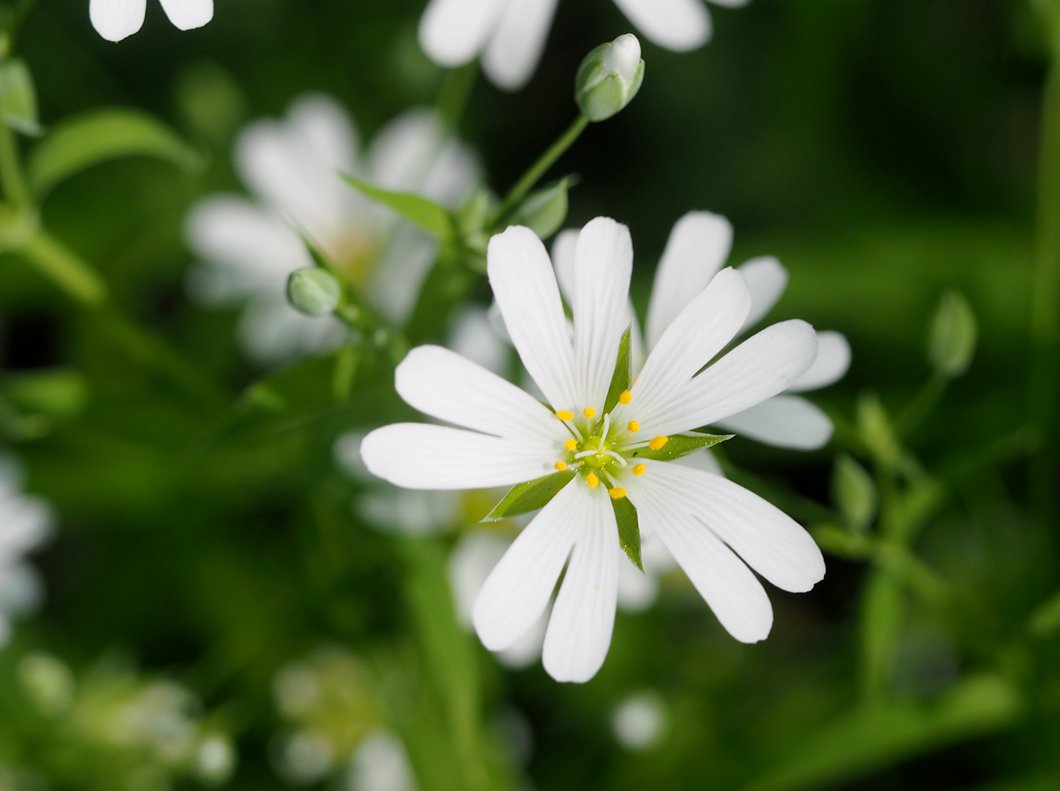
(24, 524)
(118, 19)
(698, 247)
(293, 167)
(702, 519)
(510, 34)
(639, 721)
(381, 764)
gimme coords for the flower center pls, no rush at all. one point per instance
(600, 449)
(355, 254)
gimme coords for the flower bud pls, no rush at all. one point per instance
(313, 291)
(951, 343)
(609, 78)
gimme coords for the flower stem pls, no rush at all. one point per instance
(72, 275)
(456, 89)
(539, 168)
(11, 178)
(1045, 302)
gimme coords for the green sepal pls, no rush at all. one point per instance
(545, 210)
(529, 496)
(623, 375)
(628, 529)
(679, 445)
(18, 98)
(100, 136)
(433, 218)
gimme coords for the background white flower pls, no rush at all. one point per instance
(118, 19)
(507, 436)
(24, 524)
(510, 34)
(292, 167)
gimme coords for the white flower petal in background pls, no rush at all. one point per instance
(831, 364)
(679, 25)
(515, 48)
(639, 722)
(785, 421)
(766, 280)
(452, 32)
(381, 764)
(119, 19)
(25, 523)
(188, 14)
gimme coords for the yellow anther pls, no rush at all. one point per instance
(640, 469)
(589, 412)
(561, 465)
(633, 426)
(658, 442)
(617, 493)
(571, 444)
(563, 414)
(626, 397)
(592, 480)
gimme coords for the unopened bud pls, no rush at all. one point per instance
(951, 343)
(609, 78)
(313, 291)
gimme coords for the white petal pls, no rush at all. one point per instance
(518, 589)
(380, 763)
(603, 264)
(400, 268)
(419, 456)
(679, 25)
(564, 254)
(256, 246)
(21, 589)
(637, 590)
(728, 586)
(768, 540)
(272, 332)
(188, 14)
(326, 129)
(833, 360)
(766, 280)
(452, 32)
(704, 328)
(449, 387)
(515, 49)
(703, 460)
(583, 617)
(697, 248)
(757, 369)
(524, 286)
(474, 557)
(785, 421)
(117, 19)
(731, 3)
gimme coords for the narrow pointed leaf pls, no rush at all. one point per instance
(679, 445)
(100, 136)
(628, 530)
(545, 210)
(622, 376)
(421, 212)
(529, 496)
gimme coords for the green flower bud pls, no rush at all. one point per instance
(313, 291)
(854, 491)
(953, 336)
(609, 78)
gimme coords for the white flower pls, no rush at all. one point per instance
(510, 34)
(24, 525)
(639, 722)
(118, 19)
(381, 764)
(292, 167)
(506, 436)
(698, 247)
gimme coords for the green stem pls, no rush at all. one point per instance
(921, 406)
(11, 178)
(1045, 302)
(73, 276)
(539, 168)
(452, 100)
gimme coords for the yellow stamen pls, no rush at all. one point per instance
(592, 480)
(561, 465)
(626, 397)
(640, 469)
(589, 412)
(563, 414)
(571, 444)
(633, 426)
(617, 493)
(658, 442)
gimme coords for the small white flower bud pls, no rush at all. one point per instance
(609, 78)
(313, 291)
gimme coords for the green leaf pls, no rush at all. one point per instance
(100, 136)
(678, 445)
(628, 529)
(529, 496)
(426, 214)
(854, 491)
(623, 374)
(882, 616)
(951, 343)
(18, 98)
(545, 210)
